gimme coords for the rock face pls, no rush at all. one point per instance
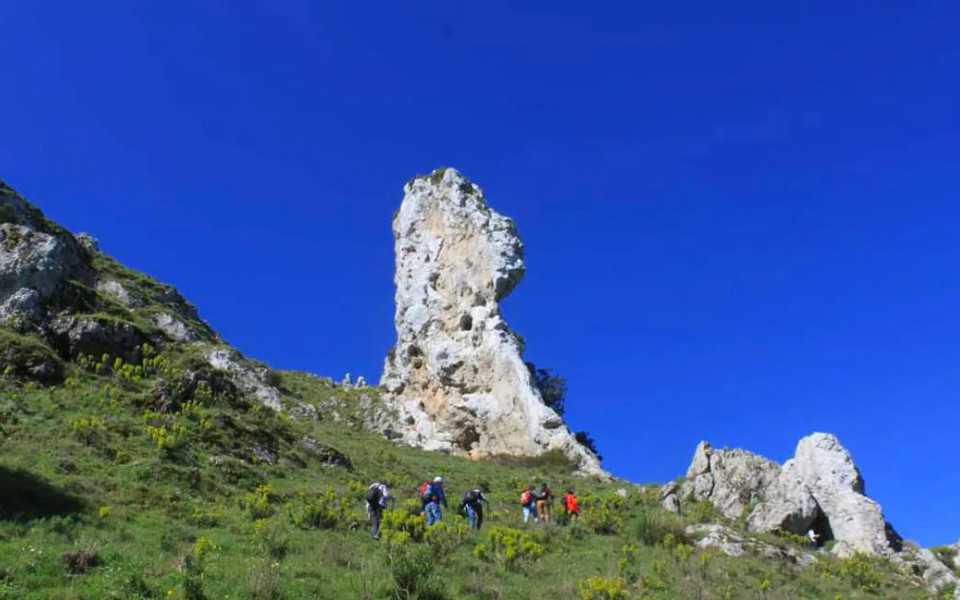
(34, 262)
(456, 375)
(823, 470)
(730, 479)
(820, 488)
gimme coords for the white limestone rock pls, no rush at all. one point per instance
(456, 375)
(249, 378)
(117, 291)
(730, 479)
(33, 267)
(823, 470)
(733, 543)
(174, 328)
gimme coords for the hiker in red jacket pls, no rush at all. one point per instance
(571, 505)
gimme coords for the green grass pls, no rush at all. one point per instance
(93, 506)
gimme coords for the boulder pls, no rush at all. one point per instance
(456, 375)
(33, 268)
(823, 473)
(732, 543)
(174, 328)
(923, 563)
(249, 378)
(819, 489)
(730, 479)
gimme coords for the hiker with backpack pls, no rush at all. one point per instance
(377, 497)
(528, 501)
(432, 496)
(472, 504)
(571, 505)
(544, 503)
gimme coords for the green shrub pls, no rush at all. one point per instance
(650, 527)
(603, 514)
(702, 512)
(446, 538)
(412, 572)
(88, 430)
(265, 582)
(602, 588)
(400, 526)
(511, 548)
(272, 538)
(861, 570)
(257, 503)
(324, 511)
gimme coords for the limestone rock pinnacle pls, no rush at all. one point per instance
(456, 375)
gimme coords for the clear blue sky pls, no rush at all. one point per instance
(741, 218)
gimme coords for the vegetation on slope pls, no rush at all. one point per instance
(109, 490)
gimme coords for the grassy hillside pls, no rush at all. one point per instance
(103, 494)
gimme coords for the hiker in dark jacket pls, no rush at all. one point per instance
(472, 504)
(377, 497)
(545, 503)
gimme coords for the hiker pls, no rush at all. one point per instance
(377, 496)
(528, 500)
(571, 505)
(544, 503)
(814, 537)
(432, 497)
(472, 504)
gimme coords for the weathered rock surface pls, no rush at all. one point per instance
(249, 378)
(456, 374)
(97, 337)
(33, 267)
(733, 543)
(926, 565)
(820, 488)
(822, 469)
(730, 479)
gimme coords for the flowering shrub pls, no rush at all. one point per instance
(401, 526)
(602, 588)
(509, 547)
(257, 503)
(88, 429)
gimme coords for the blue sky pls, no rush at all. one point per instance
(740, 220)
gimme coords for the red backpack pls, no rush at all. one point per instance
(526, 498)
(424, 489)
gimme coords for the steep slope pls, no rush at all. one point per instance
(140, 458)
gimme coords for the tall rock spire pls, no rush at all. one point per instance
(456, 374)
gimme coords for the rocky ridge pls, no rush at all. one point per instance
(820, 489)
(456, 375)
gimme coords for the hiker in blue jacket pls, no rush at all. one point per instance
(434, 498)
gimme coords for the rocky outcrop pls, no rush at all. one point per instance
(456, 374)
(820, 488)
(729, 479)
(936, 575)
(249, 378)
(34, 266)
(733, 543)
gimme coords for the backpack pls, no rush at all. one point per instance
(471, 497)
(374, 494)
(425, 491)
(526, 498)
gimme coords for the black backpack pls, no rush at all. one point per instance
(373, 494)
(471, 497)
